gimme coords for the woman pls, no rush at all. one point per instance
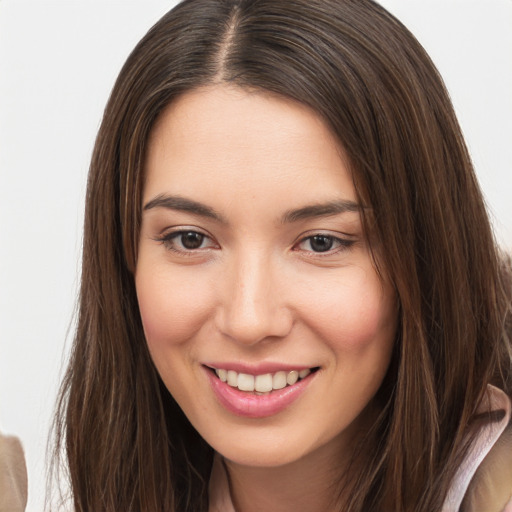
(291, 296)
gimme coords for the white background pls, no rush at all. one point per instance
(58, 62)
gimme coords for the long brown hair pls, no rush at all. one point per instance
(128, 445)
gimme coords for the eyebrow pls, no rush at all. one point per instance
(320, 210)
(184, 205)
(306, 212)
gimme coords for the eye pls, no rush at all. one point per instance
(189, 240)
(186, 241)
(322, 243)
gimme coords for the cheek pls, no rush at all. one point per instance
(355, 314)
(172, 307)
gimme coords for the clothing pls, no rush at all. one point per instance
(483, 483)
(13, 475)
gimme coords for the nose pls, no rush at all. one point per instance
(253, 306)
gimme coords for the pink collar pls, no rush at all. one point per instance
(494, 400)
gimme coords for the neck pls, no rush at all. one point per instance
(309, 484)
(320, 480)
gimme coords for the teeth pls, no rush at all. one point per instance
(245, 382)
(232, 378)
(279, 380)
(222, 374)
(292, 377)
(304, 373)
(261, 384)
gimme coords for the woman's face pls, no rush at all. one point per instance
(253, 268)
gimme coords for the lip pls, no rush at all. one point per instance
(256, 369)
(249, 405)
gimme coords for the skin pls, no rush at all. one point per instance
(258, 290)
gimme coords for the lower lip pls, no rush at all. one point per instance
(246, 404)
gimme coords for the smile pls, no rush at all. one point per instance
(260, 395)
(261, 384)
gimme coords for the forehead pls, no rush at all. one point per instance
(221, 142)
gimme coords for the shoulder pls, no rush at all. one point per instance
(490, 488)
(13, 475)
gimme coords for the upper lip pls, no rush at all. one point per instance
(257, 369)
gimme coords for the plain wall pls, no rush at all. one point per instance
(58, 62)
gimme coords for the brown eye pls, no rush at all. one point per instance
(191, 239)
(324, 243)
(321, 243)
(186, 241)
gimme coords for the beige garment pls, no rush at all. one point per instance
(484, 481)
(13, 475)
(491, 487)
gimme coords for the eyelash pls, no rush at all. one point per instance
(341, 244)
(169, 242)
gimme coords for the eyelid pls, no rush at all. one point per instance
(166, 236)
(344, 240)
